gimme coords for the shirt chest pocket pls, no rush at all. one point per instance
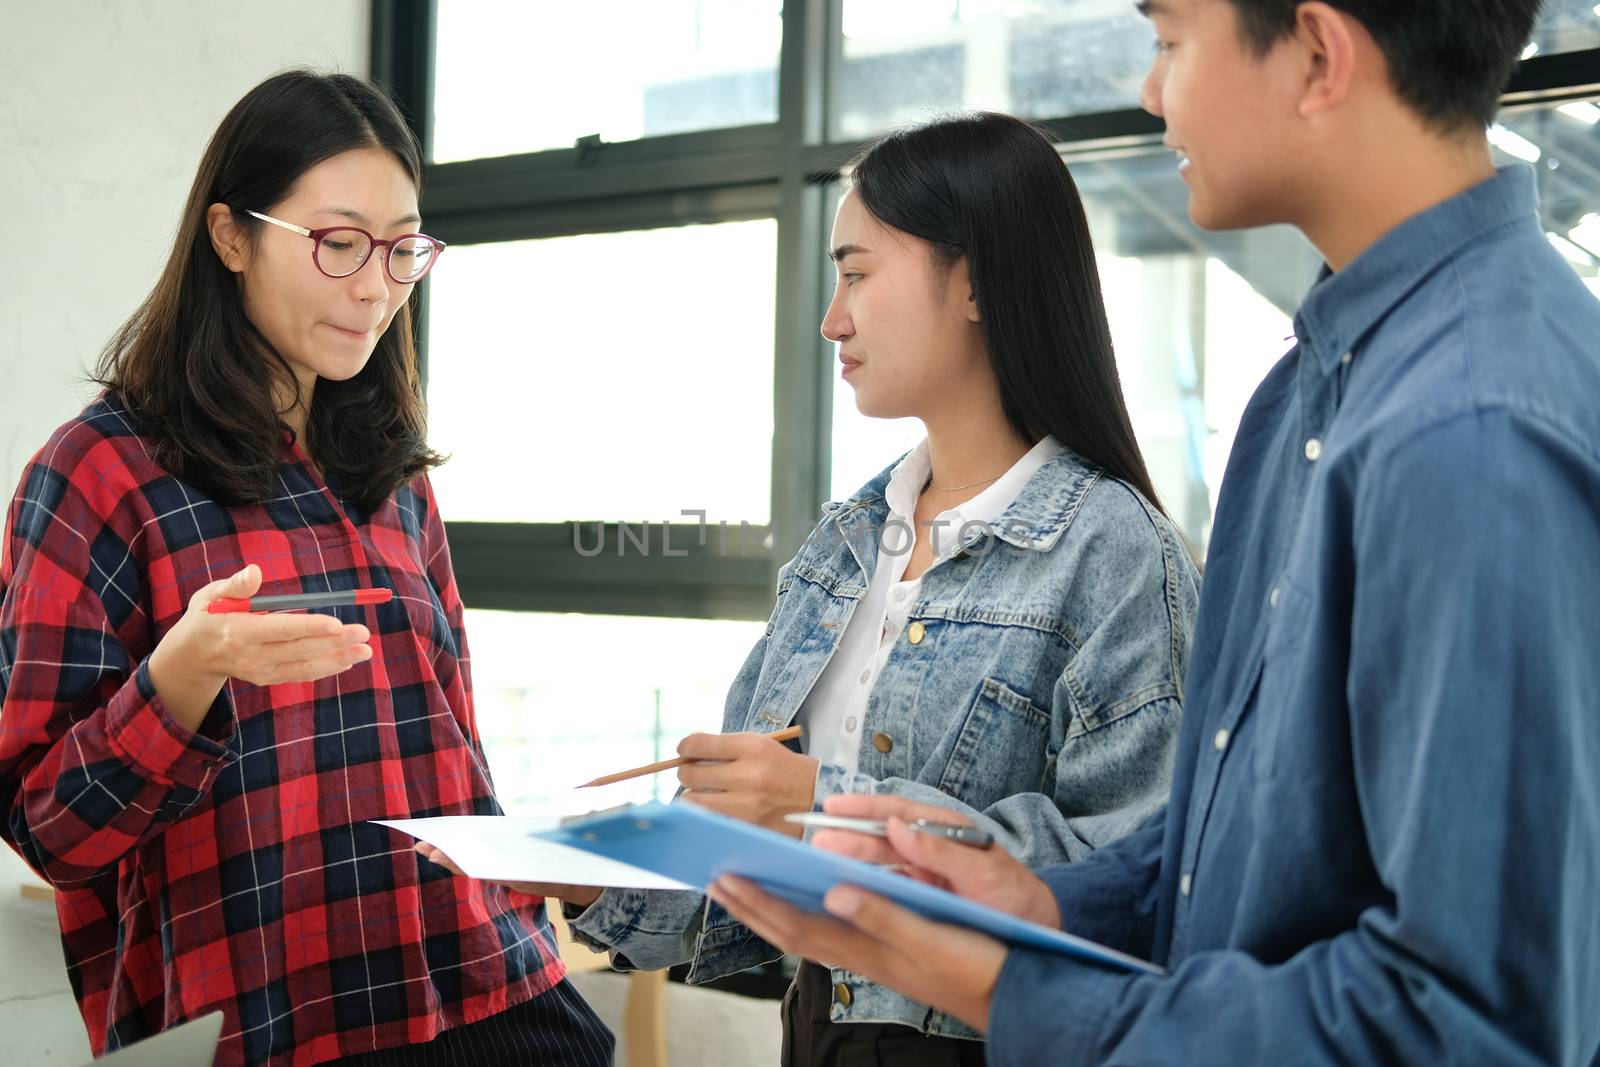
(1282, 662)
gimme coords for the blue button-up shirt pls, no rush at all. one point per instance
(1383, 842)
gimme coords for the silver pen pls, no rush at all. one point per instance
(966, 835)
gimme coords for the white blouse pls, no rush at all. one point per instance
(834, 710)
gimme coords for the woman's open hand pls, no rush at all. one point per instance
(202, 651)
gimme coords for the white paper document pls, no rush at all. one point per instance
(499, 848)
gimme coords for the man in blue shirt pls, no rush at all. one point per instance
(1383, 841)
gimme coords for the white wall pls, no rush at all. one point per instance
(105, 107)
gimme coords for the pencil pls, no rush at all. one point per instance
(791, 734)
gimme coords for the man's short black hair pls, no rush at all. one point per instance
(1448, 59)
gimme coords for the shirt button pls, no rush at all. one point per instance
(1272, 600)
(899, 594)
(1313, 450)
(1347, 358)
(866, 676)
(841, 994)
(1221, 740)
(850, 725)
(916, 632)
(883, 742)
(1185, 883)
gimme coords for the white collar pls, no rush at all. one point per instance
(911, 475)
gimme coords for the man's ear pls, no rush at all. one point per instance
(1328, 38)
(227, 237)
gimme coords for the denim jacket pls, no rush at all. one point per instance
(1040, 697)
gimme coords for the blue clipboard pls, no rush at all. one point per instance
(696, 847)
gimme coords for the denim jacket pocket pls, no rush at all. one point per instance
(1289, 609)
(1000, 751)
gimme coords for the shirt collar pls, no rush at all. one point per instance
(1344, 306)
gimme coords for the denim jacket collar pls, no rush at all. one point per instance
(1343, 307)
(1036, 519)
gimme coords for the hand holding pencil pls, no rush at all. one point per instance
(791, 734)
(748, 776)
(194, 659)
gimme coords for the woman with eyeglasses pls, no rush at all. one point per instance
(997, 624)
(200, 786)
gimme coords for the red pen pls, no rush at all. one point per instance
(299, 601)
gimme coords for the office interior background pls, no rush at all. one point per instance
(621, 345)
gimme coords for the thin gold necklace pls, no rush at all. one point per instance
(958, 488)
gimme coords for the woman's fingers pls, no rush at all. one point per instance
(272, 650)
(435, 855)
(243, 583)
(308, 670)
(313, 646)
(287, 629)
(302, 660)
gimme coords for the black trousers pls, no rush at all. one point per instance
(556, 1028)
(810, 1039)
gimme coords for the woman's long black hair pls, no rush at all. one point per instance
(991, 189)
(197, 375)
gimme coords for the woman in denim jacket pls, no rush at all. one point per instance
(999, 622)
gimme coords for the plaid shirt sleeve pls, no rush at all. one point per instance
(92, 762)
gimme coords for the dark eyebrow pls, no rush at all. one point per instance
(356, 216)
(1151, 8)
(848, 250)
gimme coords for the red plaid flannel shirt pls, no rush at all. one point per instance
(237, 867)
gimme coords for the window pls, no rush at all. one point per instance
(521, 77)
(565, 699)
(1566, 26)
(905, 60)
(667, 332)
(1562, 143)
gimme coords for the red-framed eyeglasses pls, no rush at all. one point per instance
(340, 251)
